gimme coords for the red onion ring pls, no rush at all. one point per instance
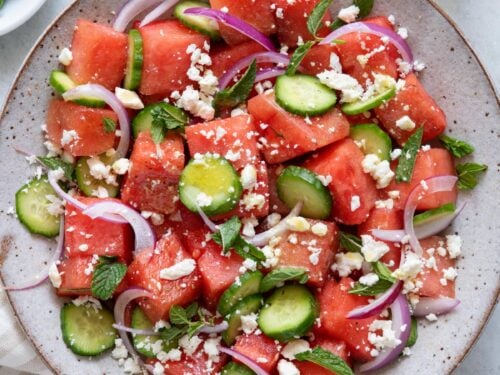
(379, 304)
(250, 363)
(157, 12)
(144, 234)
(134, 331)
(209, 223)
(437, 306)
(401, 323)
(234, 23)
(100, 92)
(269, 73)
(43, 276)
(259, 57)
(370, 28)
(218, 328)
(131, 10)
(430, 185)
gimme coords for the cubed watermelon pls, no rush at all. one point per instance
(341, 164)
(151, 183)
(224, 56)
(260, 348)
(317, 59)
(99, 54)
(275, 203)
(77, 129)
(337, 347)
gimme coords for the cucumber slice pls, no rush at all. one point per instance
(233, 368)
(203, 25)
(210, 183)
(362, 106)
(61, 83)
(133, 73)
(297, 184)
(32, 208)
(288, 313)
(144, 119)
(304, 95)
(246, 285)
(372, 140)
(87, 330)
(434, 214)
(142, 343)
(248, 305)
(88, 184)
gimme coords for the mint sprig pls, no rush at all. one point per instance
(316, 17)
(406, 163)
(458, 148)
(326, 359)
(468, 175)
(297, 57)
(350, 242)
(108, 274)
(280, 275)
(239, 92)
(162, 122)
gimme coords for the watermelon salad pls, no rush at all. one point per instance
(246, 186)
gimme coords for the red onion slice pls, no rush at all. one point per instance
(401, 323)
(52, 176)
(269, 73)
(250, 363)
(209, 223)
(100, 92)
(145, 332)
(370, 28)
(379, 304)
(234, 23)
(157, 12)
(119, 311)
(44, 275)
(428, 186)
(144, 235)
(437, 306)
(218, 328)
(259, 57)
(131, 10)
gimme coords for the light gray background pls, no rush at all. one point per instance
(478, 19)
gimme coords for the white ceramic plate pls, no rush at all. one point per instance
(16, 12)
(454, 77)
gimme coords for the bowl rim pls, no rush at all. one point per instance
(489, 311)
(24, 18)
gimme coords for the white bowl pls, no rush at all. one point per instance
(16, 12)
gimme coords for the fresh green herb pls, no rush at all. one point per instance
(383, 272)
(326, 359)
(404, 170)
(386, 280)
(108, 274)
(247, 250)
(316, 17)
(468, 174)
(238, 93)
(350, 242)
(182, 323)
(109, 125)
(458, 148)
(412, 339)
(56, 163)
(297, 57)
(280, 275)
(338, 23)
(164, 121)
(365, 7)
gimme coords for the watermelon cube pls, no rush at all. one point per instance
(224, 57)
(198, 363)
(260, 348)
(317, 59)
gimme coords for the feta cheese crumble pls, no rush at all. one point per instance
(298, 224)
(295, 347)
(349, 14)
(178, 270)
(387, 339)
(347, 262)
(380, 170)
(372, 249)
(454, 245)
(405, 123)
(287, 368)
(128, 98)
(66, 56)
(355, 203)
(55, 276)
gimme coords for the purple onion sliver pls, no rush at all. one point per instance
(221, 327)
(379, 305)
(269, 73)
(435, 226)
(129, 11)
(250, 363)
(62, 194)
(437, 306)
(234, 23)
(157, 12)
(391, 235)
(209, 223)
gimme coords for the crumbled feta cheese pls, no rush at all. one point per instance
(406, 351)
(157, 219)
(350, 88)
(410, 268)
(120, 351)
(394, 194)
(224, 9)
(83, 247)
(325, 180)
(192, 101)
(369, 279)
(347, 262)
(249, 323)
(392, 19)
(319, 229)
(450, 273)
(178, 270)
(403, 32)
(128, 98)
(287, 368)
(203, 200)
(66, 56)
(396, 153)
(454, 245)
(298, 224)
(248, 176)
(431, 317)
(173, 354)
(55, 276)
(349, 14)
(84, 300)
(189, 345)
(211, 348)
(418, 66)
(158, 369)
(130, 366)
(387, 339)
(248, 264)
(249, 224)
(69, 136)
(380, 170)
(121, 166)
(295, 347)
(253, 200)
(279, 13)
(405, 123)
(355, 203)
(388, 203)
(335, 62)
(56, 206)
(273, 219)
(372, 249)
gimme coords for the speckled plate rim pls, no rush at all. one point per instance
(493, 303)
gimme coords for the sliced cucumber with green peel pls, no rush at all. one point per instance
(248, 305)
(288, 313)
(434, 214)
(133, 72)
(372, 140)
(210, 183)
(87, 330)
(363, 106)
(32, 208)
(304, 95)
(233, 368)
(61, 82)
(297, 184)
(246, 285)
(203, 25)
(90, 185)
(144, 119)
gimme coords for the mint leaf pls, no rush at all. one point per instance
(109, 125)
(326, 359)
(163, 121)
(280, 275)
(191, 310)
(297, 57)
(383, 272)
(412, 339)
(108, 274)
(194, 327)
(458, 148)
(178, 316)
(238, 93)
(316, 17)
(365, 7)
(56, 163)
(228, 232)
(350, 242)
(247, 250)
(468, 174)
(373, 290)
(173, 333)
(404, 170)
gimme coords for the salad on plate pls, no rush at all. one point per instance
(246, 187)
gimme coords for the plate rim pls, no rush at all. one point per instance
(22, 20)
(489, 312)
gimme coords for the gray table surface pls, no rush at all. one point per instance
(478, 19)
